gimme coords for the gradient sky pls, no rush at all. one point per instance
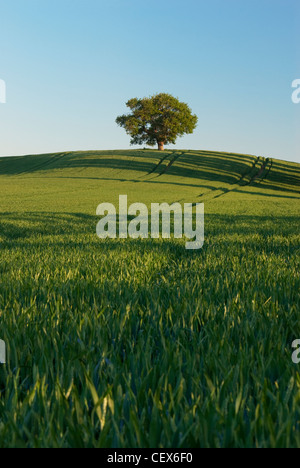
(71, 65)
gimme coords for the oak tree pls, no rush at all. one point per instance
(158, 119)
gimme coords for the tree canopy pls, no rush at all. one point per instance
(159, 119)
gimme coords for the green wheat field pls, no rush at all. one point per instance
(142, 343)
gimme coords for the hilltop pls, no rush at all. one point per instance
(78, 181)
(140, 342)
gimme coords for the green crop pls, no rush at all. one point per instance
(141, 343)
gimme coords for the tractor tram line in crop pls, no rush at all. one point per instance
(139, 342)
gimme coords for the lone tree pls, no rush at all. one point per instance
(159, 119)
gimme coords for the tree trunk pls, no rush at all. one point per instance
(160, 145)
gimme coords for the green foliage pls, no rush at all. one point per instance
(160, 118)
(140, 343)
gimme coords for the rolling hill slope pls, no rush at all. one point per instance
(80, 180)
(140, 342)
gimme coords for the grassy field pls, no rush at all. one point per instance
(142, 343)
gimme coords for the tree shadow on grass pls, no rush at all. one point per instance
(208, 166)
(203, 165)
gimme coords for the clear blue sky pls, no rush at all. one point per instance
(71, 65)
